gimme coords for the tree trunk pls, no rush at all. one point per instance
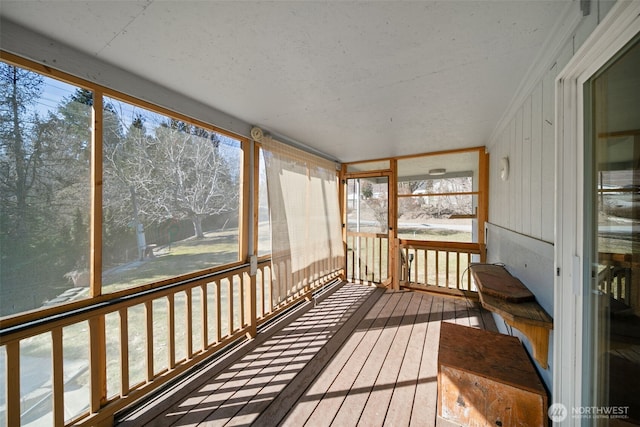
(18, 151)
(197, 226)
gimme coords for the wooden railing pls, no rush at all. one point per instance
(615, 275)
(132, 345)
(367, 257)
(438, 265)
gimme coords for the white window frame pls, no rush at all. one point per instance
(619, 27)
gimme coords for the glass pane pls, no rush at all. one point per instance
(442, 173)
(171, 197)
(442, 218)
(368, 205)
(614, 297)
(449, 213)
(45, 144)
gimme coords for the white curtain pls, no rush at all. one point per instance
(306, 236)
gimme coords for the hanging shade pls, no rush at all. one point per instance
(306, 233)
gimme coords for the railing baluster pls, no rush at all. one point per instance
(416, 266)
(437, 268)
(359, 255)
(367, 262)
(12, 376)
(97, 363)
(58, 376)
(241, 309)
(458, 270)
(447, 281)
(230, 304)
(469, 272)
(426, 266)
(380, 260)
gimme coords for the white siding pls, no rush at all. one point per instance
(525, 202)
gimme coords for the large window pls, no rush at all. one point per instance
(438, 197)
(45, 140)
(170, 200)
(170, 207)
(170, 192)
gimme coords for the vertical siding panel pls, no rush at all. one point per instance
(526, 167)
(512, 175)
(518, 172)
(548, 153)
(501, 187)
(536, 162)
(505, 195)
(493, 194)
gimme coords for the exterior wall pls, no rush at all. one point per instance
(524, 203)
(520, 232)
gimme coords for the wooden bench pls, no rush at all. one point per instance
(507, 296)
(487, 379)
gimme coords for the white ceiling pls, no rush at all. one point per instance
(355, 80)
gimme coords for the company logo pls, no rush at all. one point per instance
(557, 412)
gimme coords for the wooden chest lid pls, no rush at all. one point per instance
(488, 354)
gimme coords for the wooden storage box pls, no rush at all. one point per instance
(487, 379)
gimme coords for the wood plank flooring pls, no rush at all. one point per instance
(360, 357)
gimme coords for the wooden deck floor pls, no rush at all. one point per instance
(362, 356)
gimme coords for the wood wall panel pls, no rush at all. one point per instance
(536, 162)
(525, 203)
(527, 170)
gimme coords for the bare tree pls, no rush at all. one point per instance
(198, 180)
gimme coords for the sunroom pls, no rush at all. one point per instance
(298, 213)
